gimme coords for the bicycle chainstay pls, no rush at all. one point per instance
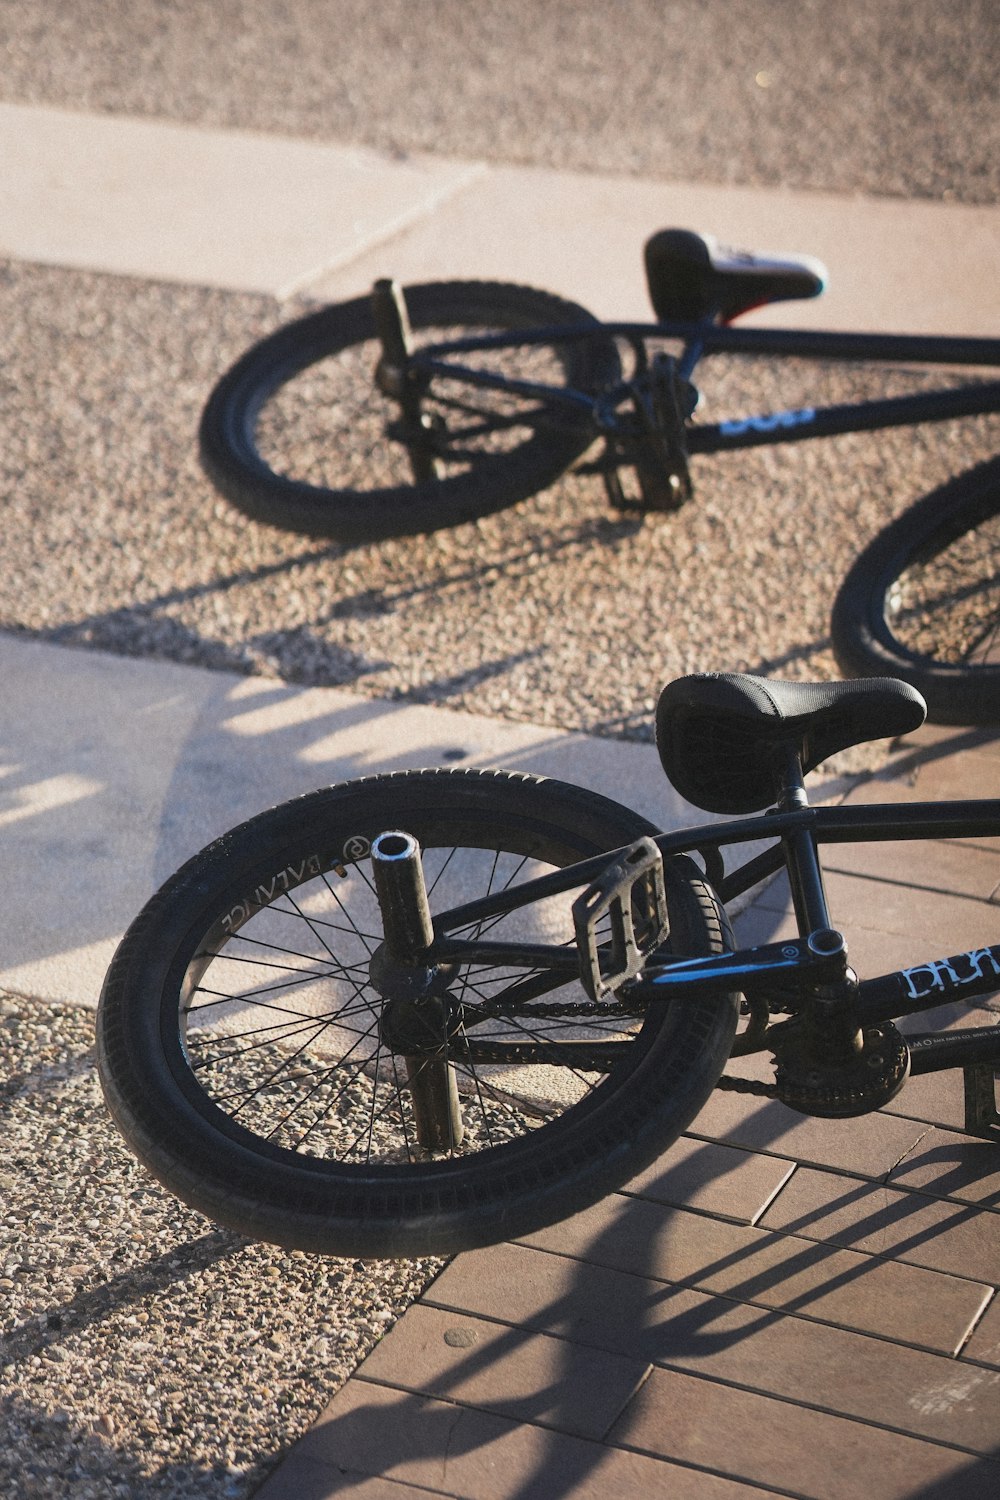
(596, 1061)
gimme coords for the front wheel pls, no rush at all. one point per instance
(306, 433)
(922, 602)
(256, 1068)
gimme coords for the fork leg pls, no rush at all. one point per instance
(395, 379)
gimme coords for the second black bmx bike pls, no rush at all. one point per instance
(421, 407)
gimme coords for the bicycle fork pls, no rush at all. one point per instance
(396, 378)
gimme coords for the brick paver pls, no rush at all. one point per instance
(948, 1165)
(779, 1304)
(508, 1370)
(774, 1354)
(465, 1451)
(984, 1345)
(789, 1273)
(794, 1447)
(711, 1178)
(959, 1239)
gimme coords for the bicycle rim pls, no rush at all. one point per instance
(298, 434)
(923, 601)
(248, 1065)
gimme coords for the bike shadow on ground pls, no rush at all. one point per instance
(457, 570)
(426, 1437)
(178, 624)
(774, 1288)
(114, 776)
(709, 1322)
(333, 583)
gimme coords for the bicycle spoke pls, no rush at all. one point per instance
(306, 1081)
(284, 1027)
(948, 606)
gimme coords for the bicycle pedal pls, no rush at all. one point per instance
(629, 898)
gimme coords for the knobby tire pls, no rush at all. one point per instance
(297, 434)
(922, 601)
(238, 1031)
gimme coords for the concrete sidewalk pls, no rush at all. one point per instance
(116, 771)
(137, 197)
(781, 1305)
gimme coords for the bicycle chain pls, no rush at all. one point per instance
(527, 1051)
(747, 1086)
(594, 1061)
(499, 1009)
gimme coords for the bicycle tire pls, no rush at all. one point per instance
(545, 1135)
(312, 454)
(922, 601)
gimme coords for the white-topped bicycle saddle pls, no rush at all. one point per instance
(692, 277)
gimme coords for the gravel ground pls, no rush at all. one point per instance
(142, 1351)
(896, 98)
(129, 1324)
(557, 611)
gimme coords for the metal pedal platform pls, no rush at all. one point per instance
(628, 903)
(982, 1117)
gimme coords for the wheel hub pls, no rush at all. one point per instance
(430, 1026)
(419, 1018)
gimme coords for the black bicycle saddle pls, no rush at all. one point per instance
(720, 734)
(692, 277)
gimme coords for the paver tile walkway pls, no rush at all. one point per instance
(780, 1304)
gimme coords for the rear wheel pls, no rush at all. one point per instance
(301, 432)
(255, 1067)
(922, 602)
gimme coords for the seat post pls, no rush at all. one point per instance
(832, 1033)
(805, 875)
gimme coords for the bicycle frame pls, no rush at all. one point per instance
(795, 967)
(656, 432)
(701, 339)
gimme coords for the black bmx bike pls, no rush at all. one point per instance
(426, 1011)
(412, 409)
